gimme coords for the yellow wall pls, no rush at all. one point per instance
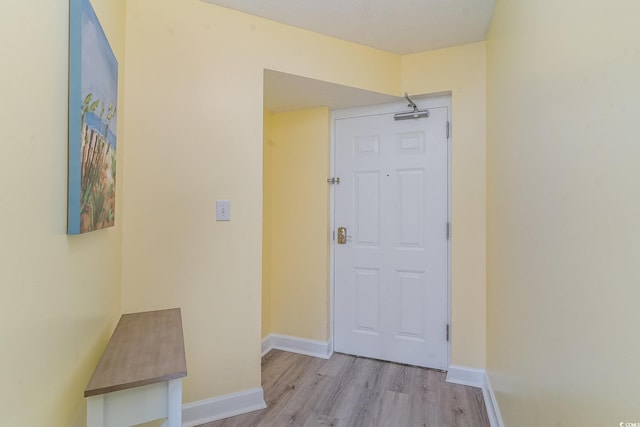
(195, 134)
(563, 209)
(60, 294)
(561, 204)
(267, 198)
(462, 71)
(299, 149)
(194, 115)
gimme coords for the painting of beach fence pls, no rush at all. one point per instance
(93, 91)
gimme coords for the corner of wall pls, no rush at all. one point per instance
(461, 71)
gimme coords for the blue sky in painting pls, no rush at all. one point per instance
(99, 64)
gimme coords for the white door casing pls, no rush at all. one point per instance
(391, 277)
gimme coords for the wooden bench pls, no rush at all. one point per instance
(139, 377)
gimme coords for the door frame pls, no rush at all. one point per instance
(423, 101)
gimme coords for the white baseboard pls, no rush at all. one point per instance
(493, 411)
(477, 378)
(466, 376)
(217, 408)
(321, 349)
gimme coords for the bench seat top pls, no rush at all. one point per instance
(145, 348)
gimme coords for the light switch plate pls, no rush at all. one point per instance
(223, 210)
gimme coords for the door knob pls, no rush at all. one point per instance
(342, 235)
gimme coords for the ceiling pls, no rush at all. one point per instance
(398, 26)
(287, 92)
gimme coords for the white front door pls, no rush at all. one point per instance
(391, 275)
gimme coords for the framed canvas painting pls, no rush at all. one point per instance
(93, 93)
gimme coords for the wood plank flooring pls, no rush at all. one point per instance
(349, 391)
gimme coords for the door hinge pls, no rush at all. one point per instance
(448, 230)
(447, 332)
(333, 180)
(448, 129)
(333, 235)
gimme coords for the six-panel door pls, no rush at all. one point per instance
(391, 274)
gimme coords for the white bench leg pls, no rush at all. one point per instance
(174, 404)
(95, 411)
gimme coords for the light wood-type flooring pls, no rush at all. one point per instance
(349, 391)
